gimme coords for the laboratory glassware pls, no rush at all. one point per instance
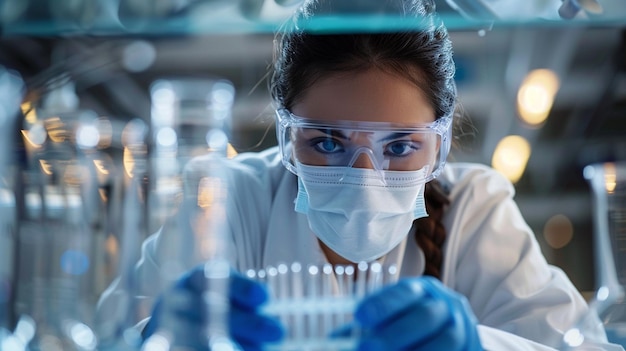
(61, 206)
(608, 182)
(189, 129)
(608, 188)
(11, 95)
(316, 303)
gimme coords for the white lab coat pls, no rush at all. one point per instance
(491, 255)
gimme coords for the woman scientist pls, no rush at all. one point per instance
(364, 127)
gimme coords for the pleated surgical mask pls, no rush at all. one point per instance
(359, 217)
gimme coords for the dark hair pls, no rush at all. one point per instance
(422, 52)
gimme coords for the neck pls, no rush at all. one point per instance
(334, 258)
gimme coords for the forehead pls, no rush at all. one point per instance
(372, 95)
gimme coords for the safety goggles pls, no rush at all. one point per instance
(380, 146)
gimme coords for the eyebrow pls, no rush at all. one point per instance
(338, 134)
(334, 133)
(397, 135)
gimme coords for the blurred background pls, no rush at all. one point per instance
(542, 95)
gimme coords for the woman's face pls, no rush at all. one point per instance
(368, 96)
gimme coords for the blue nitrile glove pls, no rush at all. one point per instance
(182, 314)
(417, 314)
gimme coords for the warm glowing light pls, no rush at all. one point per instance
(46, 167)
(558, 231)
(610, 177)
(29, 112)
(105, 131)
(230, 151)
(34, 137)
(112, 246)
(56, 129)
(511, 156)
(74, 174)
(129, 162)
(210, 190)
(100, 166)
(103, 195)
(536, 96)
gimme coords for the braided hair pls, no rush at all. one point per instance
(423, 53)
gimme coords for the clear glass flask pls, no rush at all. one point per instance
(608, 187)
(608, 181)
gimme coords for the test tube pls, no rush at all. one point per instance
(313, 294)
(320, 300)
(327, 295)
(361, 279)
(341, 289)
(272, 282)
(374, 279)
(297, 298)
(391, 275)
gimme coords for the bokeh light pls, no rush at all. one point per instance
(511, 156)
(558, 231)
(74, 262)
(536, 96)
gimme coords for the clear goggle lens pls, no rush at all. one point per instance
(380, 146)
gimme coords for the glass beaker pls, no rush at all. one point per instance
(608, 184)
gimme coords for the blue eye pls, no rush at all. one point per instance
(400, 148)
(327, 146)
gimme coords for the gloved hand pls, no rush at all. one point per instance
(182, 313)
(417, 314)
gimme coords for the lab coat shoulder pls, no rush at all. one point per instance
(493, 258)
(476, 192)
(486, 227)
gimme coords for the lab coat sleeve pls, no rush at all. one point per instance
(493, 258)
(117, 306)
(164, 257)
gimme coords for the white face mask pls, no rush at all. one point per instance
(360, 217)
